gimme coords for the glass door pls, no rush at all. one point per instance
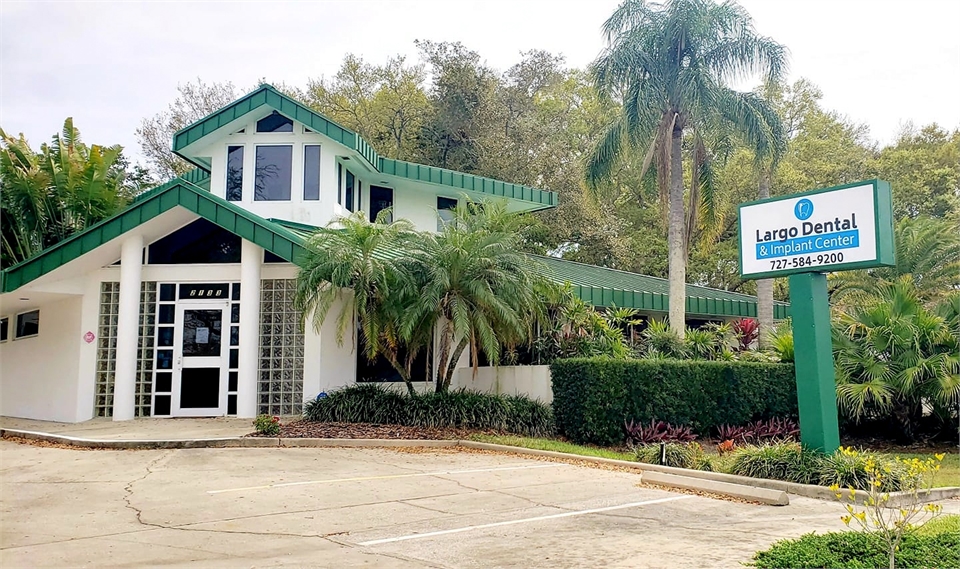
(200, 353)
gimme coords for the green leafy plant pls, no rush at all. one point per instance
(850, 468)
(660, 340)
(857, 550)
(680, 455)
(267, 425)
(778, 461)
(371, 403)
(780, 342)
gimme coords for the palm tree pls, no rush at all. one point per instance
(927, 249)
(353, 263)
(894, 356)
(668, 65)
(47, 196)
(475, 285)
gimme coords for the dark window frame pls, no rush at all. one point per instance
(256, 176)
(234, 193)
(284, 123)
(441, 222)
(4, 328)
(312, 179)
(19, 325)
(349, 189)
(179, 247)
(375, 207)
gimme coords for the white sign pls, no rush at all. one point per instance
(203, 335)
(802, 233)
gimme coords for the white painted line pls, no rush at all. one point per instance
(522, 521)
(387, 477)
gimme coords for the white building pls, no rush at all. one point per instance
(181, 305)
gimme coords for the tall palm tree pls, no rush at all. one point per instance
(927, 250)
(668, 66)
(476, 286)
(353, 263)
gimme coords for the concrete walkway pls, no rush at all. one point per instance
(147, 429)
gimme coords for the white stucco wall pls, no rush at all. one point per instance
(38, 375)
(338, 361)
(532, 381)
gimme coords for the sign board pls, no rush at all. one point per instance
(834, 229)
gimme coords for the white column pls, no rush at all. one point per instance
(128, 328)
(251, 257)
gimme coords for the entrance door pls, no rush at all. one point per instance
(200, 352)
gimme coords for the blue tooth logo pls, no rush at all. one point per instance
(803, 210)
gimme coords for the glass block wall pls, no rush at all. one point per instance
(281, 350)
(107, 348)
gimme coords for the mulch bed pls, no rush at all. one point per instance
(318, 430)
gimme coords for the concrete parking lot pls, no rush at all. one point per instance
(330, 507)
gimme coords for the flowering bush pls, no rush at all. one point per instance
(891, 521)
(267, 425)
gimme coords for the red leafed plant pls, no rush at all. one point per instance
(746, 331)
(657, 432)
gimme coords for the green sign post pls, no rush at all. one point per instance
(804, 236)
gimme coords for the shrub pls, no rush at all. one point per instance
(656, 432)
(686, 455)
(461, 408)
(859, 550)
(592, 398)
(780, 461)
(267, 425)
(848, 468)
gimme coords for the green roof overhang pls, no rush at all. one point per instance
(268, 96)
(177, 193)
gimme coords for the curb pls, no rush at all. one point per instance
(762, 495)
(694, 479)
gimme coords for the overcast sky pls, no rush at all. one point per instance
(110, 64)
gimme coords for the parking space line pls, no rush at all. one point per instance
(523, 521)
(385, 477)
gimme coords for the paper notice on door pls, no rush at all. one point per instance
(203, 335)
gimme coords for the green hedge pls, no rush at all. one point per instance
(593, 397)
(371, 403)
(857, 550)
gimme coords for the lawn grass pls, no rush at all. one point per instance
(949, 474)
(553, 445)
(941, 524)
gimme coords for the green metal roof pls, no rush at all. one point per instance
(178, 192)
(266, 95)
(601, 286)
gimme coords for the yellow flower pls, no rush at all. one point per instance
(939, 456)
(846, 519)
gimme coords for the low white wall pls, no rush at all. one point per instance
(38, 375)
(532, 381)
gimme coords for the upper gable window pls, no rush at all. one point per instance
(275, 122)
(234, 173)
(274, 168)
(198, 242)
(311, 172)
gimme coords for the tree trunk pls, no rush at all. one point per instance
(445, 338)
(402, 370)
(452, 366)
(765, 286)
(675, 238)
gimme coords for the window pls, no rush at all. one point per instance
(381, 199)
(234, 173)
(275, 123)
(198, 242)
(28, 324)
(4, 328)
(445, 207)
(271, 180)
(311, 172)
(348, 191)
(339, 184)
